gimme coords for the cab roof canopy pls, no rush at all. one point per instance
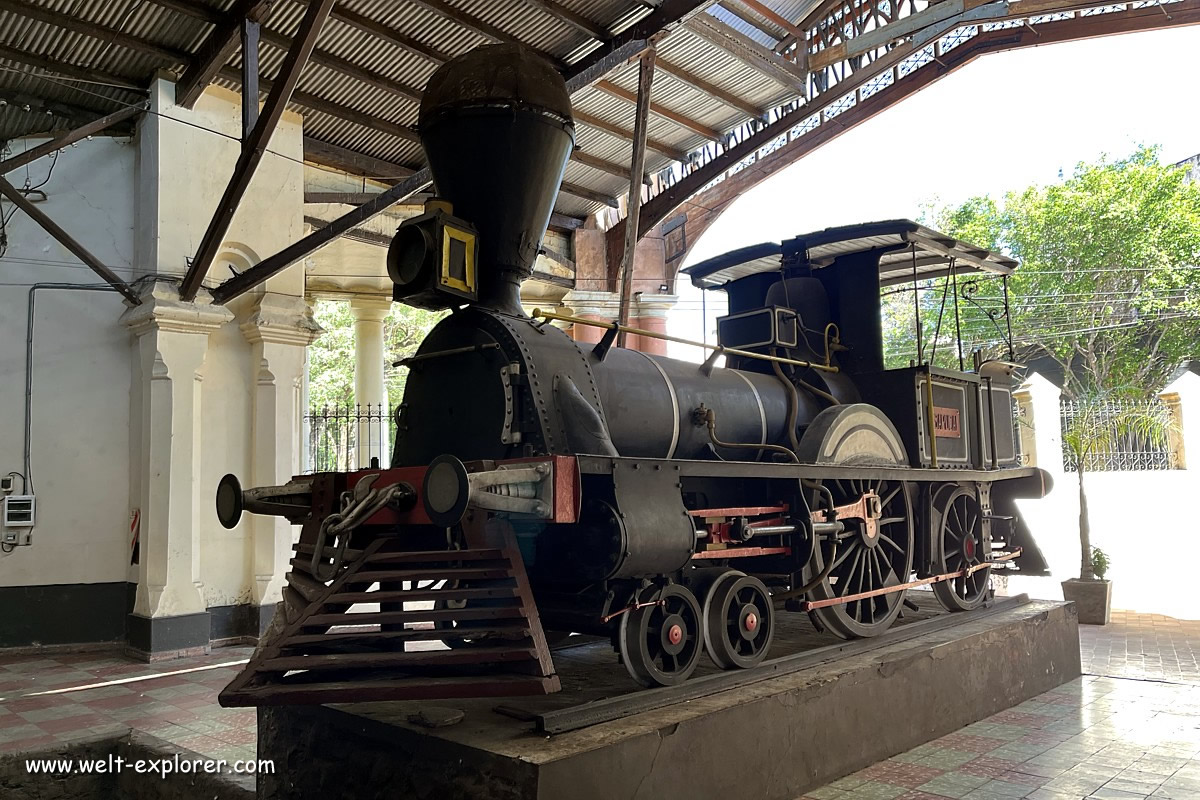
(913, 252)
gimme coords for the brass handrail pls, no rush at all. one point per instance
(733, 351)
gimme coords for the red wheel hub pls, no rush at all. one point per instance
(751, 621)
(969, 548)
(675, 634)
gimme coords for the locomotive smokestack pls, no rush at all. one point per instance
(497, 130)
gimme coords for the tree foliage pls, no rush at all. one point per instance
(331, 357)
(1109, 284)
(1094, 429)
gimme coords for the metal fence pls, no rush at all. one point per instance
(340, 439)
(1127, 449)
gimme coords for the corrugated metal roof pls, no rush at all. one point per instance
(371, 108)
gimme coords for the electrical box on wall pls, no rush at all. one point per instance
(18, 516)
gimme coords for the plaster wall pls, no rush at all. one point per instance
(185, 160)
(1138, 517)
(81, 367)
(141, 205)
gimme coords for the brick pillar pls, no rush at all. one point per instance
(599, 306)
(651, 311)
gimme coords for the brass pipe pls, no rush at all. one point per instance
(550, 315)
(708, 418)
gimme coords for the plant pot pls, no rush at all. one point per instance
(1092, 599)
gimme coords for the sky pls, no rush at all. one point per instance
(1001, 123)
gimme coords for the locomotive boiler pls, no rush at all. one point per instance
(539, 486)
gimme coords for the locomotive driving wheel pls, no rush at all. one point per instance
(662, 640)
(874, 551)
(959, 545)
(739, 621)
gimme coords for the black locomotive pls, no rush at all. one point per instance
(540, 485)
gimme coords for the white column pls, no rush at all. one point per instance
(370, 391)
(1182, 398)
(1040, 424)
(278, 328)
(169, 352)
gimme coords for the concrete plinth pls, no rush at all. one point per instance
(774, 739)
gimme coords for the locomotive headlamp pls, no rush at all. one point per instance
(432, 259)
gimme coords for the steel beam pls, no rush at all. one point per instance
(575, 20)
(59, 67)
(256, 144)
(249, 35)
(562, 222)
(750, 52)
(390, 35)
(640, 120)
(713, 91)
(216, 51)
(95, 30)
(589, 194)
(465, 19)
(45, 115)
(618, 50)
(599, 163)
(240, 284)
(668, 150)
(323, 106)
(332, 155)
(755, 20)
(767, 13)
(673, 116)
(65, 239)
(341, 198)
(59, 142)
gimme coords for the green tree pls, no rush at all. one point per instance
(1097, 423)
(331, 357)
(1109, 285)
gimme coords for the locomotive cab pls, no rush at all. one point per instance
(816, 297)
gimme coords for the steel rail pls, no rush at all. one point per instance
(716, 348)
(609, 709)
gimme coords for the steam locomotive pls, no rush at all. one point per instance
(540, 485)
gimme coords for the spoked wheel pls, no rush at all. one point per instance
(739, 621)
(661, 643)
(875, 549)
(870, 555)
(960, 545)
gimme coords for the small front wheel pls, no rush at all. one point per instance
(662, 640)
(739, 621)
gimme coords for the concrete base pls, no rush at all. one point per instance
(125, 781)
(774, 739)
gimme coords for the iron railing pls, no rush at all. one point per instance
(1128, 449)
(344, 438)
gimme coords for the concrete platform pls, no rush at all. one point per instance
(773, 739)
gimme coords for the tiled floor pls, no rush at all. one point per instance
(174, 700)
(1129, 729)
(1144, 646)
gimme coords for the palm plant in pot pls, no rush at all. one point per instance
(1095, 428)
